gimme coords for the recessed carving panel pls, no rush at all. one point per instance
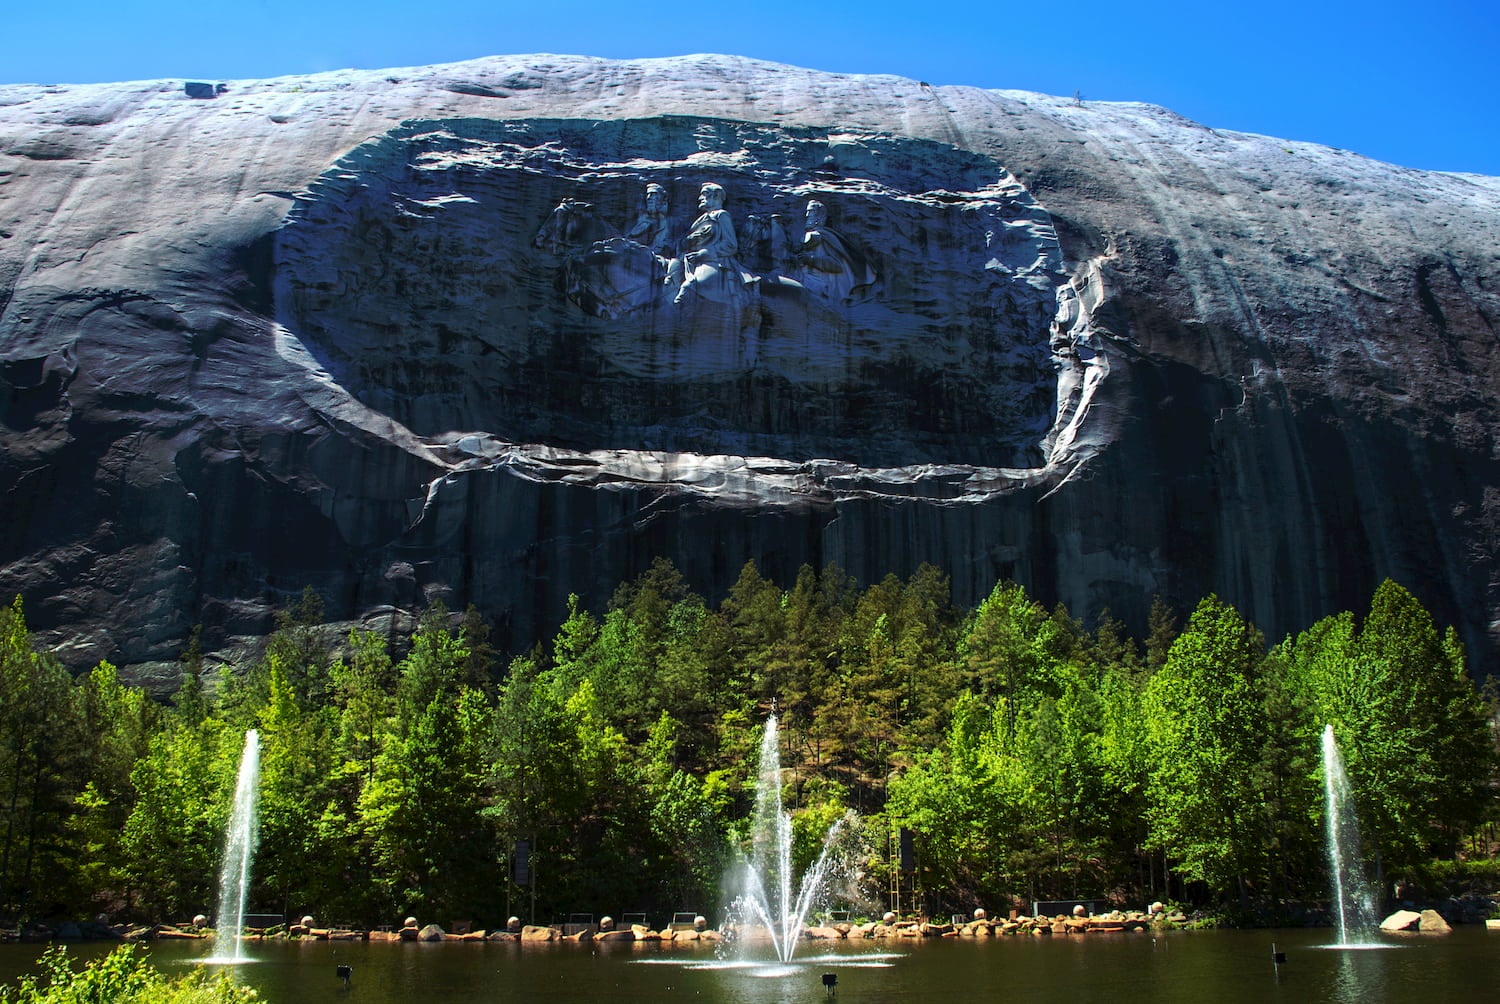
(682, 285)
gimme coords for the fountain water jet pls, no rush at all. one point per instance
(768, 898)
(239, 850)
(1354, 900)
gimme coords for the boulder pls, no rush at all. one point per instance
(1432, 922)
(167, 933)
(1401, 920)
(532, 932)
(431, 932)
(506, 936)
(615, 936)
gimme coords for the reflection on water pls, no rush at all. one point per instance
(1359, 975)
(1227, 967)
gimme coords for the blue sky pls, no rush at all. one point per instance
(1416, 83)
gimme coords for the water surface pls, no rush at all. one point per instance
(1226, 967)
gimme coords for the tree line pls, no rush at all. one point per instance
(1028, 756)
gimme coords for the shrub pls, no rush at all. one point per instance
(122, 977)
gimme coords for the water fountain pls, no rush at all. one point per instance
(1354, 899)
(239, 850)
(768, 900)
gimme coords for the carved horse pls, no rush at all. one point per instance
(764, 244)
(571, 225)
(603, 273)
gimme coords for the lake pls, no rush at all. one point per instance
(1224, 967)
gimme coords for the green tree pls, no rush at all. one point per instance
(1408, 720)
(1008, 652)
(686, 821)
(296, 865)
(41, 744)
(190, 701)
(422, 814)
(1206, 724)
(1125, 762)
(172, 839)
(363, 682)
(966, 800)
(118, 721)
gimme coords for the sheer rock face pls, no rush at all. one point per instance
(317, 331)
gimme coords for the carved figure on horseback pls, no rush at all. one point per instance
(610, 274)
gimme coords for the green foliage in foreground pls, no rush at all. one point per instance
(122, 977)
(1031, 757)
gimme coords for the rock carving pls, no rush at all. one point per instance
(764, 245)
(609, 274)
(827, 264)
(603, 273)
(650, 228)
(706, 266)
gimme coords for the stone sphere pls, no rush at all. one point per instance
(979, 913)
(889, 918)
(700, 923)
(1079, 911)
(1155, 907)
(513, 924)
(606, 923)
(198, 920)
(307, 920)
(409, 922)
